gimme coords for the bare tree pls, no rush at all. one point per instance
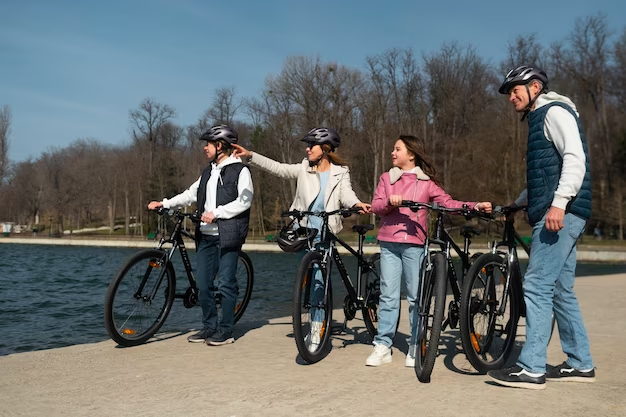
(224, 106)
(148, 122)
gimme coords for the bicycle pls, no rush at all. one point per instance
(140, 296)
(436, 272)
(493, 300)
(312, 296)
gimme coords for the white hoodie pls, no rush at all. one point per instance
(561, 129)
(242, 203)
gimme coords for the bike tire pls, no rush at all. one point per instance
(306, 332)
(372, 297)
(245, 281)
(131, 314)
(430, 317)
(487, 337)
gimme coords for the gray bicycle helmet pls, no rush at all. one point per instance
(294, 240)
(521, 76)
(218, 132)
(321, 135)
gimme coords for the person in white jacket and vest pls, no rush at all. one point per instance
(558, 199)
(224, 194)
(323, 184)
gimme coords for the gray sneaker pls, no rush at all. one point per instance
(220, 338)
(201, 336)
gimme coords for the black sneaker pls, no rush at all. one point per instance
(517, 377)
(220, 338)
(201, 336)
(566, 373)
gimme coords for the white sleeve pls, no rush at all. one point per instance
(289, 171)
(522, 200)
(243, 201)
(187, 197)
(561, 129)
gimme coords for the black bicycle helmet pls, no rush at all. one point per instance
(218, 132)
(295, 240)
(320, 135)
(521, 76)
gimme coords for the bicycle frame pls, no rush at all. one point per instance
(446, 243)
(510, 239)
(176, 240)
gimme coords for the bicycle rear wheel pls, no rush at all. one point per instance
(372, 297)
(245, 283)
(139, 298)
(488, 331)
(432, 300)
(312, 309)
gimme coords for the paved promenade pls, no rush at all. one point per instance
(261, 375)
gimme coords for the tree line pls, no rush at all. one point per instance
(448, 97)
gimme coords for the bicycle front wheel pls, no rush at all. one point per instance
(245, 282)
(139, 298)
(489, 314)
(432, 301)
(312, 309)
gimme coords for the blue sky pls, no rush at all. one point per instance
(74, 69)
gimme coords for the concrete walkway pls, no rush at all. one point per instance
(261, 375)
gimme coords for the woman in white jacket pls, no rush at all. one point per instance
(323, 184)
(323, 179)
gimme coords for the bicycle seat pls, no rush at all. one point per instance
(362, 228)
(469, 231)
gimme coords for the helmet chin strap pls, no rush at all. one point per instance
(318, 160)
(531, 102)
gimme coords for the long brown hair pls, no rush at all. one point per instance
(332, 155)
(418, 149)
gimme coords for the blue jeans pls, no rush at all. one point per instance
(397, 261)
(212, 259)
(548, 287)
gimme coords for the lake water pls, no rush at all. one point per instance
(52, 296)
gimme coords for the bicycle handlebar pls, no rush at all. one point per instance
(299, 214)
(506, 210)
(162, 211)
(465, 211)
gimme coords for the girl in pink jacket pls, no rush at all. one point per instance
(402, 234)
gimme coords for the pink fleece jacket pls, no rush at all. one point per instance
(401, 225)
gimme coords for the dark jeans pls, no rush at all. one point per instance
(212, 259)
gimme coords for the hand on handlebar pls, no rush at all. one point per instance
(395, 200)
(484, 206)
(208, 217)
(153, 205)
(364, 208)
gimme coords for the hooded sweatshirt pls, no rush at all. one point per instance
(400, 224)
(227, 211)
(561, 129)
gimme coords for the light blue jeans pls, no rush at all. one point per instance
(549, 286)
(317, 289)
(398, 261)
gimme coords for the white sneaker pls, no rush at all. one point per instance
(380, 355)
(313, 339)
(409, 362)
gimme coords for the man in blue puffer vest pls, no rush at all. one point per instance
(223, 194)
(558, 196)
